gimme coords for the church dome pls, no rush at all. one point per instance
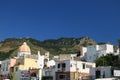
(24, 48)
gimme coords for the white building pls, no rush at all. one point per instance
(106, 49)
(51, 63)
(49, 73)
(95, 51)
(71, 69)
(4, 67)
(104, 72)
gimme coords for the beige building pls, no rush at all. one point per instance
(68, 57)
(24, 60)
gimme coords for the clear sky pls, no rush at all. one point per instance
(52, 19)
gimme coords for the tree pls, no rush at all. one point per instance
(108, 60)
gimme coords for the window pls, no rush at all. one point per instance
(103, 74)
(3, 67)
(83, 66)
(12, 69)
(29, 67)
(89, 57)
(18, 63)
(112, 72)
(6, 68)
(62, 76)
(58, 65)
(67, 76)
(16, 68)
(98, 74)
(33, 75)
(63, 65)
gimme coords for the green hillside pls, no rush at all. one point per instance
(9, 47)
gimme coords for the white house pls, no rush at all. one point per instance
(91, 53)
(71, 69)
(51, 63)
(95, 51)
(4, 67)
(106, 48)
(104, 72)
(48, 73)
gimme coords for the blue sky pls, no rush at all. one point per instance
(52, 19)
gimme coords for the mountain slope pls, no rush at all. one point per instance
(66, 45)
(9, 47)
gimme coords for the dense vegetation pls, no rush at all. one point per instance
(9, 47)
(108, 60)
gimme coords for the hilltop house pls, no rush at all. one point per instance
(91, 53)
